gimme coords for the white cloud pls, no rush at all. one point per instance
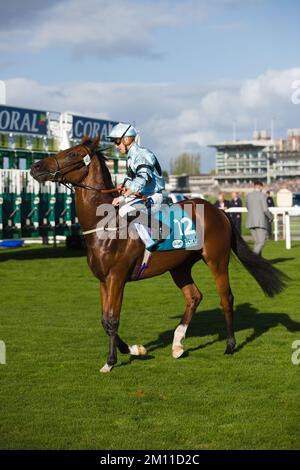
(95, 27)
(257, 92)
(172, 117)
(102, 28)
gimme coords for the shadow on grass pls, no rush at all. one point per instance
(131, 359)
(51, 252)
(212, 323)
(280, 260)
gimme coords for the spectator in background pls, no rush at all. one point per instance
(236, 217)
(222, 203)
(258, 217)
(270, 202)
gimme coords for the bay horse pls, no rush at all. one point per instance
(116, 261)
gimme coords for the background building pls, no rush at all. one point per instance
(192, 184)
(261, 158)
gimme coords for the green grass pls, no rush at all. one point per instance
(53, 396)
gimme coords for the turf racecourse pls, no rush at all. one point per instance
(53, 396)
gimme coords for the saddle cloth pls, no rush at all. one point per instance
(182, 231)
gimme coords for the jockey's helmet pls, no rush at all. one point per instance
(122, 130)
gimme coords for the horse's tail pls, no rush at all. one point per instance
(271, 280)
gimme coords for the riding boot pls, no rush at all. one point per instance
(150, 239)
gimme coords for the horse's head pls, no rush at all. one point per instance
(67, 166)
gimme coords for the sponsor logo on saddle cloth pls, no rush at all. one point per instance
(183, 233)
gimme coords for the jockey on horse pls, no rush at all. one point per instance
(117, 261)
(142, 188)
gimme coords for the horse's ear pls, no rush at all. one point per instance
(96, 140)
(85, 138)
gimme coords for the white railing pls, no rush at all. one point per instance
(18, 181)
(286, 213)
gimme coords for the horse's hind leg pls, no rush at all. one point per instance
(220, 273)
(183, 279)
(134, 350)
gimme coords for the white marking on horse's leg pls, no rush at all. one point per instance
(137, 350)
(106, 368)
(179, 335)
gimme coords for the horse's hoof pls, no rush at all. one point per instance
(229, 350)
(230, 345)
(177, 352)
(106, 368)
(137, 350)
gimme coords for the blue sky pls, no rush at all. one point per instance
(182, 70)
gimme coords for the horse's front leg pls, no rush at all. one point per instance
(111, 299)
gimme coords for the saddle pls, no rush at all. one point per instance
(172, 228)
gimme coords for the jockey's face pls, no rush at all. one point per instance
(123, 144)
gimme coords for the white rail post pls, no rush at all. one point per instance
(283, 225)
(287, 231)
(275, 227)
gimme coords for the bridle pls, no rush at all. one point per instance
(59, 175)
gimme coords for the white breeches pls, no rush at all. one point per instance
(133, 203)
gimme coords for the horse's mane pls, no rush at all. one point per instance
(105, 171)
(102, 160)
